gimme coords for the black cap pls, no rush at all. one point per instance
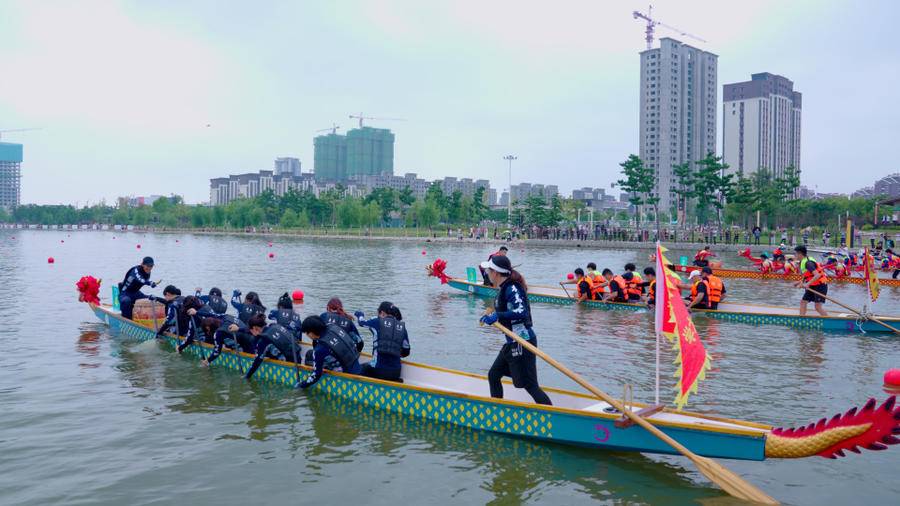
(707, 270)
(147, 261)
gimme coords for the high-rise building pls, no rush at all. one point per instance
(363, 151)
(888, 186)
(287, 167)
(330, 157)
(761, 124)
(678, 110)
(10, 175)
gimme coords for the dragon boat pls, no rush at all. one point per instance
(460, 398)
(753, 314)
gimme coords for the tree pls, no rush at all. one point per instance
(386, 199)
(406, 196)
(268, 203)
(639, 183)
(479, 207)
(684, 176)
(289, 219)
(712, 187)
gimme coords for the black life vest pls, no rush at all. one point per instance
(289, 319)
(217, 304)
(248, 310)
(390, 336)
(181, 320)
(342, 346)
(283, 340)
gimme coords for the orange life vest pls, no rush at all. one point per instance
(599, 282)
(823, 279)
(651, 290)
(714, 288)
(623, 285)
(633, 287)
(694, 288)
(590, 292)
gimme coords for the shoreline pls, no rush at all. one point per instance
(314, 234)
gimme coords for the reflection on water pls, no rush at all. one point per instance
(89, 418)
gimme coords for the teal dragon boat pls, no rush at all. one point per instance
(753, 314)
(444, 395)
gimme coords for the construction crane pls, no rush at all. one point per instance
(653, 23)
(11, 130)
(334, 128)
(361, 118)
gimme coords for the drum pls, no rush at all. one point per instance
(145, 309)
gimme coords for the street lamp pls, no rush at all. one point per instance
(510, 159)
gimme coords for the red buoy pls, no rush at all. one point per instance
(271, 255)
(138, 246)
(176, 240)
(423, 252)
(570, 276)
(61, 241)
(270, 245)
(297, 296)
(50, 260)
(892, 379)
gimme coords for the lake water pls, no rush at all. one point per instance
(86, 418)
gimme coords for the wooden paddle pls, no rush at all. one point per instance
(717, 473)
(565, 289)
(868, 317)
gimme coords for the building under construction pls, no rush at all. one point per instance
(364, 151)
(10, 174)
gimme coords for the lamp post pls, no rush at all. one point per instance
(510, 159)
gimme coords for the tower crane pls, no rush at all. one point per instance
(653, 23)
(11, 130)
(334, 128)
(361, 118)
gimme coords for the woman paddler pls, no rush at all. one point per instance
(513, 311)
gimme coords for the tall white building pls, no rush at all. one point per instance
(287, 166)
(761, 124)
(678, 110)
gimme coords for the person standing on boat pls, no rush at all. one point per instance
(813, 277)
(329, 341)
(513, 311)
(389, 344)
(499, 253)
(709, 291)
(272, 341)
(130, 288)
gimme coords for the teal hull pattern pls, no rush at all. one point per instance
(848, 323)
(708, 436)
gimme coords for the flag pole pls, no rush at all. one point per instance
(656, 320)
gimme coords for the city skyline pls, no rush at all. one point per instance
(190, 92)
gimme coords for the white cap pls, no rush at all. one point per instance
(693, 274)
(494, 267)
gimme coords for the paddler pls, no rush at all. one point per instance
(499, 253)
(221, 332)
(329, 341)
(813, 277)
(513, 311)
(650, 285)
(709, 291)
(272, 341)
(584, 286)
(186, 313)
(598, 280)
(251, 305)
(701, 259)
(617, 286)
(766, 265)
(893, 262)
(633, 286)
(130, 288)
(285, 316)
(214, 300)
(335, 315)
(390, 342)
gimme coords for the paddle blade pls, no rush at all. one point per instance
(730, 482)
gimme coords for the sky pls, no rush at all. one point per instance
(123, 91)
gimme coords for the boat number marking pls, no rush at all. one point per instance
(601, 433)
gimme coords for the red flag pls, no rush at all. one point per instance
(674, 321)
(871, 275)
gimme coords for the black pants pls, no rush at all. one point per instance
(127, 300)
(371, 371)
(519, 364)
(814, 298)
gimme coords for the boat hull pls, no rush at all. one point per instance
(831, 323)
(748, 274)
(561, 425)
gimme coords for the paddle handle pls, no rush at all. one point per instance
(730, 482)
(565, 289)
(596, 391)
(873, 318)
